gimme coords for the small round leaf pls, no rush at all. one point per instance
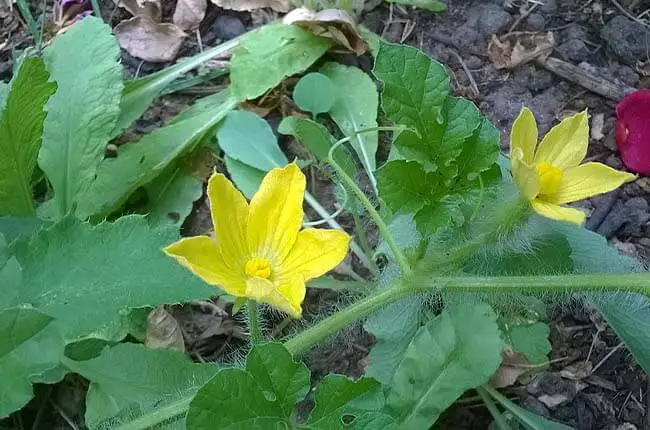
(314, 93)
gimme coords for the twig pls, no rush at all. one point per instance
(585, 79)
(522, 17)
(467, 72)
(628, 14)
(198, 40)
(605, 358)
(63, 415)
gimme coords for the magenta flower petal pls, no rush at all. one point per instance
(633, 131)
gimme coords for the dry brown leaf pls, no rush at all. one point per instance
(518, 48)
(334, 24)
(147, 8)
(643, 67)
(148, 40)
(248, 5)
(189, 14)
(163, 331)
(514, 365)
(577, 371)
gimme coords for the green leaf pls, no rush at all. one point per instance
(275, 371)
(21, 127)
(311, 134)
(30, 345)
(234, 400)
(83, 111)
(458, 350)
(406, 187)
(338, 396)
(415, 90)
(76, 272)
(171, 196)
(431, 5)
(314, 93)
(373, 421)
(355, 109)
(267, 55)
(531, 340)
(247, 178)
(248, 138)
(13, 228)
(140, 163)
(259, 397)
(128, 381)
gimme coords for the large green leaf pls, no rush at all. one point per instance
(338, 396)
(21, 127)
(85, 276)
(83, 111)
(458, 350)
(269, 54)
(531, 340)
(274, 370)
(140, 163)
(13, 228)
(355, 109)
(247, 178)
(248, 138)
(259, 397)
(449, 151)
(4, 90)
(29, 346)
(128, 381)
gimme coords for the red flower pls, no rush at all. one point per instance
(633, 131)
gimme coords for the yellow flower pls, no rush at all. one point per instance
(260, 252)
(550, 174)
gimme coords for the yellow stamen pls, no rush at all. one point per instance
(258, 267)
(550, 177)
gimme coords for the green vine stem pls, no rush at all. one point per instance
(254, 322)
(554, 284)
(158, 416)
(367, 204)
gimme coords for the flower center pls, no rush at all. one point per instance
(550, 177)
(258, 267)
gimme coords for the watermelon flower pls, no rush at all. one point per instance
(549, 174)
(633, 131)
(259, 251)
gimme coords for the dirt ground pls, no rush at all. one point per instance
(593, 382)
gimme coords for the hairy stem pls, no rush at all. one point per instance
(254, 322)
(634, 282)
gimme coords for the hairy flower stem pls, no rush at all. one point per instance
(254, 322)
(595, 282)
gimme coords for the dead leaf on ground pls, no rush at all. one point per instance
(189, 14)
(577, 371)
(597, 124)
(513, 366)
(163, 331)
(146, 8)
(518, 48)
(333, 24)
(148, 40)
(643, 67)
(248, 5)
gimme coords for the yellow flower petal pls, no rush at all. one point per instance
(553, 211)
(315, 252)
(275, 213)
(283, 296)
(587, 180)
(203, 257)
(524, 135)
(525, 176)
(566, 144)
(229, 211)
